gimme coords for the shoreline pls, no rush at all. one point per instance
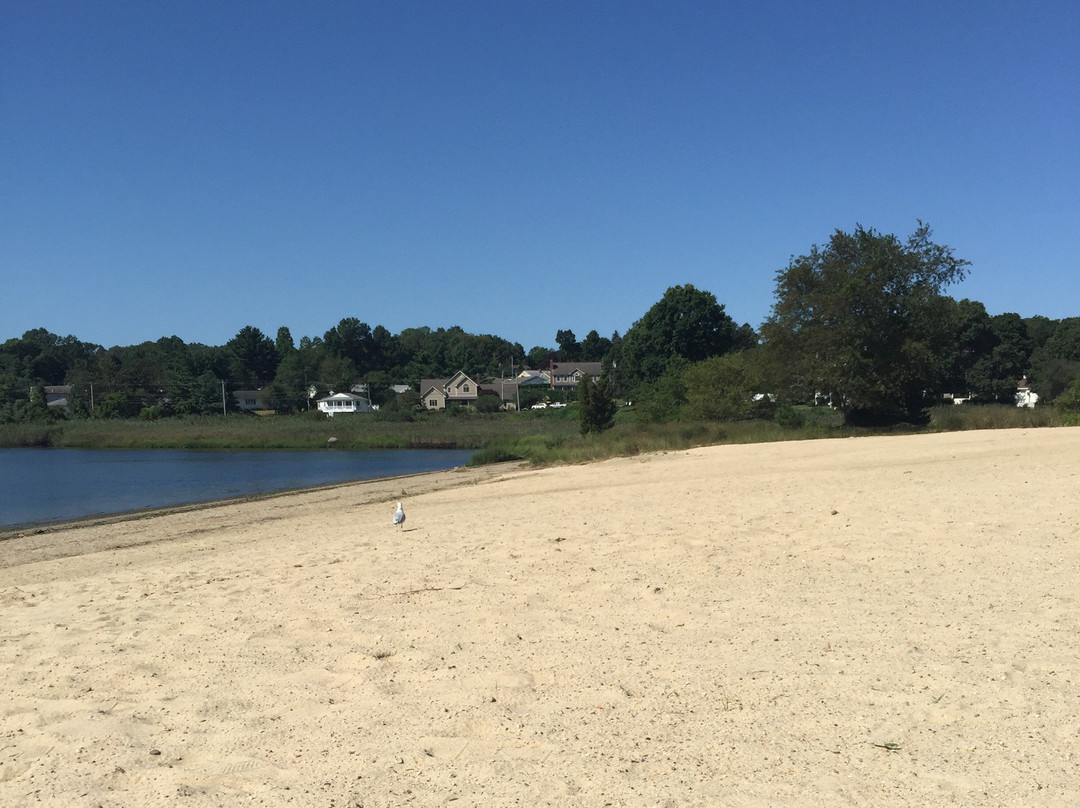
(24, 543)
(201, 500)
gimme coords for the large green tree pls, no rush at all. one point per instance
(254, 359)
(685, 325)
(595, 348)
(863, 318)
(987, 355)
(569, 347)
(1056, 362)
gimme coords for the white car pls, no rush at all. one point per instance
(540, 406)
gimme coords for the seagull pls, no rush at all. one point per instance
(399, 515)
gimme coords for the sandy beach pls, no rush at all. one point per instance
(865, 621)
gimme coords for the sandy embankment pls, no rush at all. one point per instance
(873, 621)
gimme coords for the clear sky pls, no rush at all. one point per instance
(515, 167)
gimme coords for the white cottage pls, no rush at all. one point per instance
(343, 403)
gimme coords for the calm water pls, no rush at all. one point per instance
(48, 485)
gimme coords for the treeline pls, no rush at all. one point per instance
(860, 323)
(171, 377)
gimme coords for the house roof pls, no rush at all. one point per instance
(568, 368)
(343, 397)
(533, 377)
(503, 388)
(444, 385)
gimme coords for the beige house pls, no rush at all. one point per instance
(437, 394)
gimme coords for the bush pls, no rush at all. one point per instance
(789, 417)
(488, 404)
(1067, 404)
(152, 413)
(723, 388)
(494, 454)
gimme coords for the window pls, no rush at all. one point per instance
(464, 388)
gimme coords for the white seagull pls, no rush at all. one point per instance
(399, 515)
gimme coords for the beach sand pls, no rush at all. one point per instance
(865, 621)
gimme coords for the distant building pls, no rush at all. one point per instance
(569, 374)
(58, 396)
(505, 389)
(561, 375)
(250, 400)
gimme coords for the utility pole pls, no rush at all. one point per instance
(223, 397)
(517, 387)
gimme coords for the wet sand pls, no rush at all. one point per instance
(850, 622)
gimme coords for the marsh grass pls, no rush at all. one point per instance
(955, 418)
(435, 431)
(28, 435)
(630, 437)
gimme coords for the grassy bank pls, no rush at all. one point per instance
(434, 431)
(630, 438)
(542, 438)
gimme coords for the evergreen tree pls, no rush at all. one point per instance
(596, 407)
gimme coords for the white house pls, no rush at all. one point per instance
(336, 403)
(1025, 396)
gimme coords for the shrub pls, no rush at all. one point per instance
(789, 417)
(1068, 403)
(723, 388)
(494, 454)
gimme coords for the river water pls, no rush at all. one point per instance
(49, 485)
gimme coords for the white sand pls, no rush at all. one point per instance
(871, 621)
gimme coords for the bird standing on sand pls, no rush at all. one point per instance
(399, 515)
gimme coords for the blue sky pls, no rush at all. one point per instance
(515, 168)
